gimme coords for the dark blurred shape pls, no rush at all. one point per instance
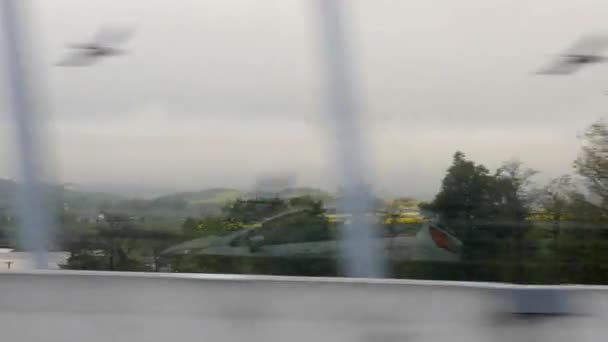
(585, 51)
(536, 304)
(104, 44)
(539, 302)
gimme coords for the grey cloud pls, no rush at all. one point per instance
(434, 76)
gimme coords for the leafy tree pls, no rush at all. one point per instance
(302, 201)
(465, 190)
(562, 200)
(302, 226)
(215, 225)
(253, 210)
(315, 206)
(469, 192)
(592, 163)
(511, 193)
(118, 248)
(486, 211)
(556, 198)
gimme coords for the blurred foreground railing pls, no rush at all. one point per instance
(101, 306)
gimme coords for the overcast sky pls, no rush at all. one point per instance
(217, 93)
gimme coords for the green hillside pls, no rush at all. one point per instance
(208, 196)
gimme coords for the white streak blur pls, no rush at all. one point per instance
(32, 207)
(360, 257)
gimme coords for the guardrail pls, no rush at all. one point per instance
(104, 306)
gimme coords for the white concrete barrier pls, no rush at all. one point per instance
(66, 306)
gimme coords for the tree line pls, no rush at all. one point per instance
(512, 228)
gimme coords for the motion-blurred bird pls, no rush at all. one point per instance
(585, 51)
(104, 44)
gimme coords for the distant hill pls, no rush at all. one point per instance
(223, 195)
(296, 192)
(89, 203)
(208, 196)
(66, 194)
(304, 191)
(181, 204)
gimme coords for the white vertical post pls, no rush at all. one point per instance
(32, 207)
(360, 255)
